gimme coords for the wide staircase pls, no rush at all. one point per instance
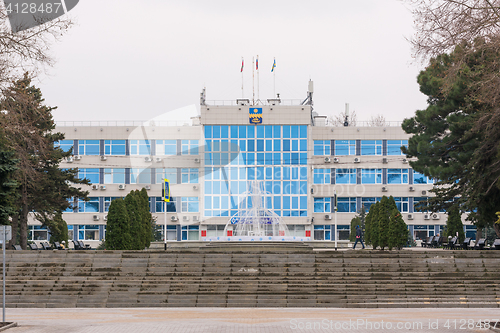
(253, 277)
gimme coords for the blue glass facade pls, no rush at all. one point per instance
(234, 155)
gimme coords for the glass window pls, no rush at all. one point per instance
(90, 174)
(402, 204)
(65, 145)
(91, 206)
(322, 176)
(345, 147)
(215, 230)
(115, 147)
(171, 208)
(140, 147)
(167, 173)
(37, 232)
(346, 205)
(371, 176)
(166, 147)
(371, 147)
(88, 147)
(140, 176)
(419, 202)
(88, 232)
(322, 205)
(397, 176)
(189, 205)
(71, 202)
(419, 178)
(70, 232)
(189, 176)
(321, 147)
(107, 202)
(297, 230)
(189, 147)
(368, 202)
(114, 176)
(191, 232)
(394, 146)
(345, 176)
(322, 232)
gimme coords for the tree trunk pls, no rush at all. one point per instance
(479, 234)
(15, 224)
(496, 226)
(23, 218)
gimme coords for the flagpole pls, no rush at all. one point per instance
(253, 80)
(258, 97)
(274, 79)
(242, 91)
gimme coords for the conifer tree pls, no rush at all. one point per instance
(384, 222)
(118, 235)
(454, 224)
(146, 218)
(398, 230)
(354, 222)
(135, 220)
(371, 226)
(8, 185)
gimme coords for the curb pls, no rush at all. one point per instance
(9, 325)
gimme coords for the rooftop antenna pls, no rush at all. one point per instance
(346, 120)
(203, 97)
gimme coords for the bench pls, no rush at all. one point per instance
(427, 242)
(480, 244)
(58, 246)
(46, 246)
(17, 247)
(33, 246)
(451, 243)
(466, 243)
(496, 244)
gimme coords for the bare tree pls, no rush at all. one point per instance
(27, 50)
(377, 121)
(340, 119)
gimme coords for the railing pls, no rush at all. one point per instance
(131, 123)
(253, 102)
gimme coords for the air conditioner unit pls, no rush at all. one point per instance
(384, 188)
(405, 161)
(411, 189)
(121, 186)
(103, 158)
(147, 159)
(196, 160)
(96, 217)
(424, 192)
(336, 160)
(410, 216)
(78, 157)
(384, 160)
(357, 160)
(69, 159)
(427, 217)
(103, 187)
(196, 219)
(105, 217)
(147, 187)
(173, 218)
(328, 216)
(158, 159)
(195, 187)
(95, 187)
(436, 216)
(185, 218)
(328, 160)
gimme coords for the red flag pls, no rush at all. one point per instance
(241, 65)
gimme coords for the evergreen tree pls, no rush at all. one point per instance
(146, 218)
(398, 230)
(28, 130)
(118, 235)
(135, 220)
(371, 226)
(58, 228)
(8, 166)
(384, 222)
(454, 224)
(354, 222)
(447, 141)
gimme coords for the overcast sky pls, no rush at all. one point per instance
(135, 60)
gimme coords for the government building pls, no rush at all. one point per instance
(301, 161)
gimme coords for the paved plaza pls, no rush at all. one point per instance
(275, 320)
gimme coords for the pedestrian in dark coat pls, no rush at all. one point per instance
(359, 235)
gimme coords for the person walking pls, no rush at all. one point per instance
(358, 237)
